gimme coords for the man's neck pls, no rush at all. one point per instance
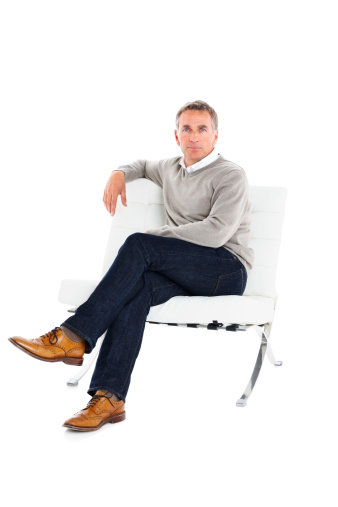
(208, 159)
(190, 162)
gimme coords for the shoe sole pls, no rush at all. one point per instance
(75, 361)
(113, 419)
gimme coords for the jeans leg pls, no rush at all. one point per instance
(116, 288)
(200, 270)
(122, 342)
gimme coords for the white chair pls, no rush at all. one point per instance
(255, 309)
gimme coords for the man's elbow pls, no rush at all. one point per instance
(216, 240)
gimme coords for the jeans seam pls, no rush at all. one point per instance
(132, 361)
(147, 256)
(230, 274)
(219, 278)
(162, 287)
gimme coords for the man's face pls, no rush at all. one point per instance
(195, 136)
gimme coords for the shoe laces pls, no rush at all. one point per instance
(96, 398)
(52, 336)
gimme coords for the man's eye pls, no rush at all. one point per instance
(204, 129)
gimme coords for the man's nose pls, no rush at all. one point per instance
(194, 137)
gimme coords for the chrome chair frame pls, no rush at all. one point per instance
(263, 332)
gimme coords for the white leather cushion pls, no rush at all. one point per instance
(76, 292)
(203, 310)
(187, 309)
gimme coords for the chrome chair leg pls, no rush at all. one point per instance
(271, 356)
(259, 362)
(93, 355)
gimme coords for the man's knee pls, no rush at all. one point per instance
(135, 237)
(137, 241)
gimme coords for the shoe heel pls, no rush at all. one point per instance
(118, 418)
(75, 361)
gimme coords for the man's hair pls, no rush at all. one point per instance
(199, 105)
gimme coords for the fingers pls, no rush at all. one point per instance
(112, 191)
(113, 201)
(108, 199)
(105, 199)
(124, 197)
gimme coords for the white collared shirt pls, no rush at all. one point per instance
(202, 163)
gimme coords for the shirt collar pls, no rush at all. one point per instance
(202, 163)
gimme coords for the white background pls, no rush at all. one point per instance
(86, 86)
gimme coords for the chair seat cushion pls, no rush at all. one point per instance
(203, 310)
(187, 309)
(76, 292)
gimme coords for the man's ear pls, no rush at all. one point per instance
(215, 138)
(177, 139)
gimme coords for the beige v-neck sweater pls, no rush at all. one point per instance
(208, 207)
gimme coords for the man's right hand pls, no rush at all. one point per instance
(115, 186)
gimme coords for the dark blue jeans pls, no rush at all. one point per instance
(147, 271)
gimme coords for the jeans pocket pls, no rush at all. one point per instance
(230, 284)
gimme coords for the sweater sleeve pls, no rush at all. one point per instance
(229, 204)
(142, 169)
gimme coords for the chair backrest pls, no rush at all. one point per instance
(146, 210)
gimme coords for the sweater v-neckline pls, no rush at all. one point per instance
(216, 162)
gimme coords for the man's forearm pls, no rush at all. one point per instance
(133, 171)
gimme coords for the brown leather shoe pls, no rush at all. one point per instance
(53, 346)
(100, 410)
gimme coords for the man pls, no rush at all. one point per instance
(202, 250)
